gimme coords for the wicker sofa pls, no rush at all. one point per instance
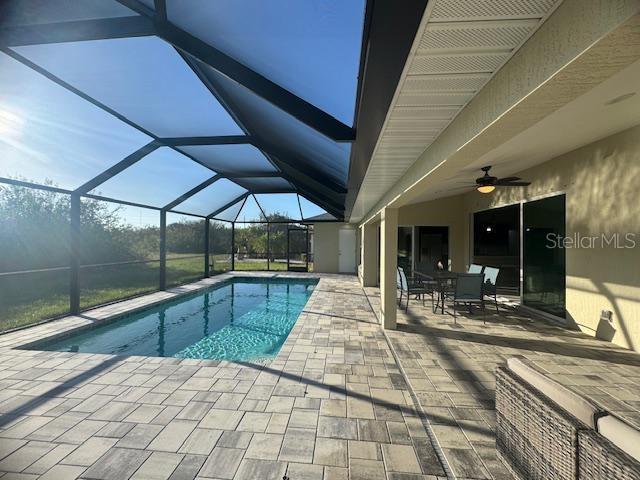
(546, 431)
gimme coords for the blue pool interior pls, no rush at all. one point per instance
(240, 319)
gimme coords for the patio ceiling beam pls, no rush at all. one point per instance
(161, 8)
(261, 191)
(233, 176)
(300, 207)
(77, 31)
(261, 210)
(229, 204)
(272, 92)
(215, 140)
(244, 202)
(118, 167)
(192, 192)
(37, 186)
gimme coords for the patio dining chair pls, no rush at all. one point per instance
(490, 279)
(468, 291)
(419, 289)
(428, 268)
(475, 268)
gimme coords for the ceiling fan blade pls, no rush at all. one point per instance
(508, 179)
(513, 184)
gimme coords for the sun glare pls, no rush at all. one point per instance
(11, 123)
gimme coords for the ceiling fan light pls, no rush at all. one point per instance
(486, 188)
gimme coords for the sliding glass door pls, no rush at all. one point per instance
(543, 260)
(432, 248)
(405, 248)
(496, 243)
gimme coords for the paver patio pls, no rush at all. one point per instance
(450, 368)
(335, 404)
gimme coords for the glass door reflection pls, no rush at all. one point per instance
(544, 264)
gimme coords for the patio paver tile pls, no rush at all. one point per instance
(159, 466)
(117, 464)
(222, 463)
(335, 396)
(90, 451)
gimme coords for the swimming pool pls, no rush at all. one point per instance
(239, 319)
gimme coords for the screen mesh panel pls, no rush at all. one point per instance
(251, 246)
(39, 286)
(310, 209)
(120, 252)
(250, 212)
(230, 213)
(299, 144)
(231, 159)
(220, 247)
(318, 40)
(33, 12)
(211, 198)
(279, 206)
(185, 249)
(264, 184)
(50, 134)
(142, 78)
(156, 180)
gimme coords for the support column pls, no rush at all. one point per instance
(74, 260)
(288, 251)
(207, 227)
(369, 254)
(268, 247)
(388, 267)
(163, 249)
(306, 248)
(233, 246)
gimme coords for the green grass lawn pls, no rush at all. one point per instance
(245, 265)
(31, 298)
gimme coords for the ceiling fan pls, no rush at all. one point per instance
(488, 183)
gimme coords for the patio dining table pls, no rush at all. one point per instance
(443, 279)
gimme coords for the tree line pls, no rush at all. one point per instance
(35, 233)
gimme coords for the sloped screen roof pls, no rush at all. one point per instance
(193, 108)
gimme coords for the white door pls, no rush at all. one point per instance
(347, 250)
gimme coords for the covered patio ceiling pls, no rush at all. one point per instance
(459, 47)
(190, 106)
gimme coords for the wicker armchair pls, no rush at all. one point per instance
(535, 438)
(599, 458)
(546, 431)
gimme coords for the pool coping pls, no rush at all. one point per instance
(27, 338)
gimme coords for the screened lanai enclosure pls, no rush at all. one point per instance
(146, 144)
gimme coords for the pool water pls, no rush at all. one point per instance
(240, 319)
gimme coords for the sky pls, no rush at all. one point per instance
(49, 133)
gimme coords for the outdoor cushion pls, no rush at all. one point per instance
(573, 403)
(621, 434)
